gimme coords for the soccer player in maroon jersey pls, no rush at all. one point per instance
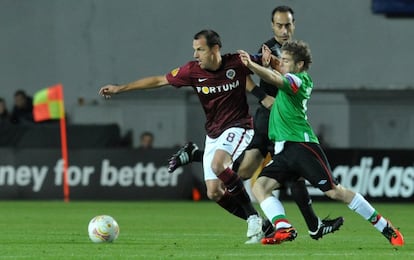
(283, 26)
(220, 81)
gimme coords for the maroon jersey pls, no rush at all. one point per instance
(222, 93)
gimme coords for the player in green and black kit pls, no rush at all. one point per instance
(297, 150)
(283, 25)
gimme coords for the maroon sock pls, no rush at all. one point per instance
(235, 187)
(228, 203)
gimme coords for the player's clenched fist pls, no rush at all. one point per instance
(108, 90)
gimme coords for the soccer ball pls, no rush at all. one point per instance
(103, 228)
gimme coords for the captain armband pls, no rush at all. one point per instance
(258, 92)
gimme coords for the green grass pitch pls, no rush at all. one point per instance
(186, 230)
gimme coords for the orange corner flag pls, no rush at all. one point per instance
(48, 104)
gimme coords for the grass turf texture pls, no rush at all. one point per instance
(186, 230)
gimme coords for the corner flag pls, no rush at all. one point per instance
(47, 105)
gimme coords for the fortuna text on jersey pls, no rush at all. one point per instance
(218, 89)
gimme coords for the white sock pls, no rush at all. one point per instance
(381, 224)
(272, 208)
(361, 206)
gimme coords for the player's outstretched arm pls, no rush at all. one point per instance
(145, 83)
(270, 76)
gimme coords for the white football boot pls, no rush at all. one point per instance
(254, 229)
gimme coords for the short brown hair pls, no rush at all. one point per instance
(300, 51)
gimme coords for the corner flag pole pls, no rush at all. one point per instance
(64, 149)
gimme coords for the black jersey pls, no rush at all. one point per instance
(271, 90)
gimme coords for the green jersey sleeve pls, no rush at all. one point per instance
(288, 118)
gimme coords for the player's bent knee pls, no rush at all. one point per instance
(217, 168)
(336, 193)
(332, 194)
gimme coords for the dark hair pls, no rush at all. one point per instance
(300, 51)
(20, 93)
(212, 38)
(283, 9)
